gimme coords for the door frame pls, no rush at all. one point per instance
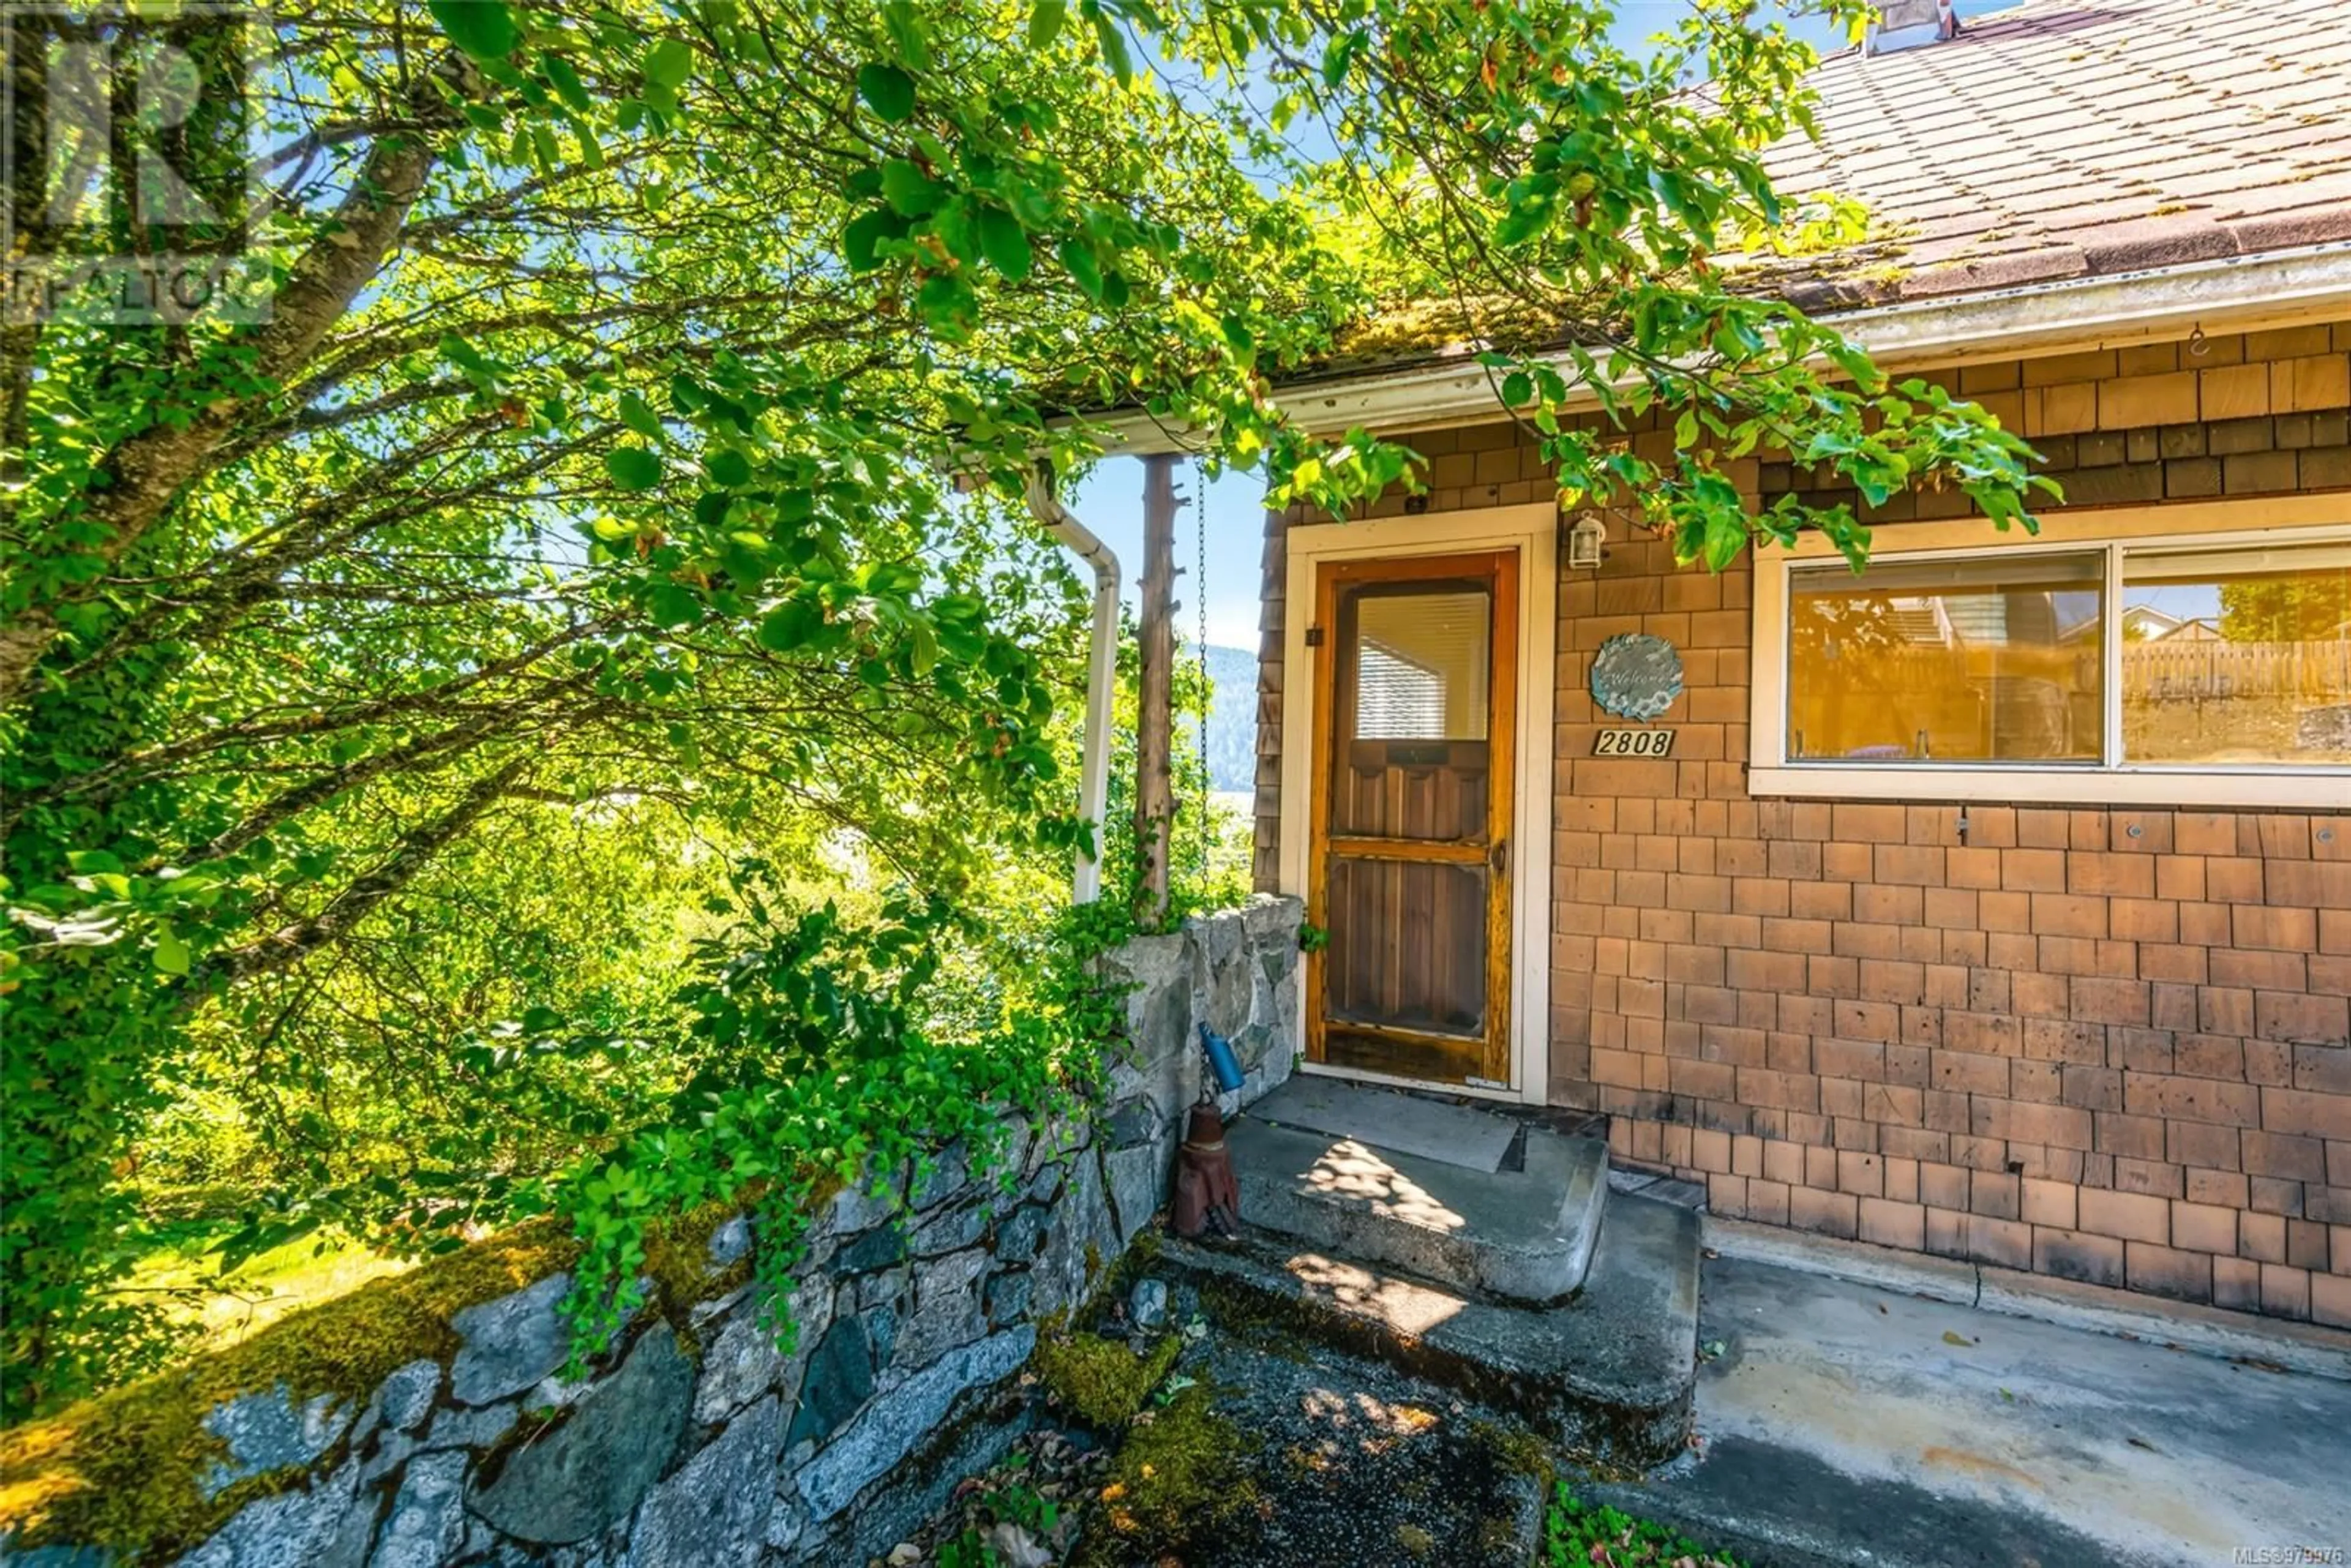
(1534, 532)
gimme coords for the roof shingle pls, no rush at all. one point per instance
(2069, 138)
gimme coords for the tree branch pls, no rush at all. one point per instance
(137, 482)
(289, 944)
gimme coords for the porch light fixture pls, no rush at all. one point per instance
(1584, 538)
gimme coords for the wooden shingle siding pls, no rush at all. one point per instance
(2111, 1045)
(1265, 860)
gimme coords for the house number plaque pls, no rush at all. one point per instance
(1634, 743)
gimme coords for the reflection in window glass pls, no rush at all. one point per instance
(1421, 665)
(1994, 659)
(2238, 656)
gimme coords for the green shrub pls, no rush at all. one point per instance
(1576, 1533)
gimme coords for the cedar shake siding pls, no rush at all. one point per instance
(2105, 1044)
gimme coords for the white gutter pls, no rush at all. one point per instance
(1102, 671)
(2238, 294)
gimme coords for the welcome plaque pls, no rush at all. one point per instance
(1637, 676)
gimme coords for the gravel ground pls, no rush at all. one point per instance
(1336, 1461)
(1362, 1466)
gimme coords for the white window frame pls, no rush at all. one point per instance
(2117, 532)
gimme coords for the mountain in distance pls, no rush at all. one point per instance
(1232, 718)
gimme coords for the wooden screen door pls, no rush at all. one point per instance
(1415, 681)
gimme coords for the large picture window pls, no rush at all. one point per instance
(1960, 660)
(2004, 671)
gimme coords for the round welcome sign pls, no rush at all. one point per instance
(1637, 676)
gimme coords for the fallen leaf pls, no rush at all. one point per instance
(1015, 1548)
(1957, 1339)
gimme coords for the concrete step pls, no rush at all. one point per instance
(1391, 1119)
(1607, 1374)
(1524, 1235)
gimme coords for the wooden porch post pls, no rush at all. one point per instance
(1154, 798)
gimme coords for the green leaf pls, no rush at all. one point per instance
(633, 467)
(668, 64)
(1113, 39)
(1517, 389)
(672, 604)
(566, 82)
(888, 91)
(1045, 22)
(908, 35)
(1340, 55)
(639, 416)
(1078, 258)
(462, 354)
(483, 28)
(789, 627)
(1005, 243)
(729, 467)
(864, 233)
(171, 952)
(910, 192)
(1521, 224)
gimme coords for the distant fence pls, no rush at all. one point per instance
(2205, 671)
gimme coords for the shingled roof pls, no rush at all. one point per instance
(2056, 140)
(2066, 139)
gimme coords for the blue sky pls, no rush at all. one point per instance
(1111, 501)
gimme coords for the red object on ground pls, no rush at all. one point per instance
(1206, 1196)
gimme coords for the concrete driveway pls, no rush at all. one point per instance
(1859, 1424)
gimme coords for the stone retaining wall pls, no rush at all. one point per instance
(695, 1441)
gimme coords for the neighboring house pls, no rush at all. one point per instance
(2144, 623)
(1931, 928)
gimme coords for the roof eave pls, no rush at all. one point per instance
(2232, 293)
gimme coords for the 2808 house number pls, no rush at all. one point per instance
(1634, 743)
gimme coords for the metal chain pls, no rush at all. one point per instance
(1200, 593)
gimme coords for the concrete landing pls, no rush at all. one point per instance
(1854, 1424)
(1402, 1123)
(1607, 1373)
(1524, 1235)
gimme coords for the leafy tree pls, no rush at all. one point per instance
(2314, 606)
(596, 468)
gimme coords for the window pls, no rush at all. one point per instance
(1420, 671)
(2070, 667)
(1964, 661)
(2231, 657)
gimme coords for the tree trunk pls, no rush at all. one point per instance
(1155, 797)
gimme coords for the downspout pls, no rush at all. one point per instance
(1102, 671)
